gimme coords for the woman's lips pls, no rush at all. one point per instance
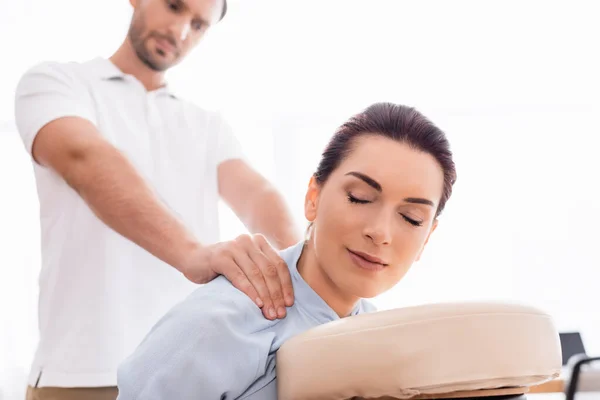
(366, 261)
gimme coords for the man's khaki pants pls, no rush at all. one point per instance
(54, 393)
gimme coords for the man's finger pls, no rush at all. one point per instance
(238, 278)
(254, 275)
(271, 276)
(283, 272)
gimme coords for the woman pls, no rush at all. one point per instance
(372, 205)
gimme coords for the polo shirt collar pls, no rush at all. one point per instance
(104, 69)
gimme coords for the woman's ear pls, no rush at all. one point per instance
(433, 226)
(311, 199)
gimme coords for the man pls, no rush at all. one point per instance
(129, 177)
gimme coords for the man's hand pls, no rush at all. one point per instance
(252, 266)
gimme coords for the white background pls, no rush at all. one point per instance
(514, 84)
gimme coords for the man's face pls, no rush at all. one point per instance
(162, 32)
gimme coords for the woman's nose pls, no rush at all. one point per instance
(379, 229)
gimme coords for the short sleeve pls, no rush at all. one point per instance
(202, 349)
(44, 93)
(228, 145)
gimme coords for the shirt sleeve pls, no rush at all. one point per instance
(46, 92)
(202, 349)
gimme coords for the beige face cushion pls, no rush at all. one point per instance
(423, 350)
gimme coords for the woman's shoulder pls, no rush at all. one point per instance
(223, 302)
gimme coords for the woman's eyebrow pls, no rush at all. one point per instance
(419, 200)
(367, 179)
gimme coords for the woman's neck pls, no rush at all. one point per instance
(316, 277)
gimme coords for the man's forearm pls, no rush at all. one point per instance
(270, 216)
(119, 196)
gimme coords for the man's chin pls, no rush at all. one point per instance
(156, 64)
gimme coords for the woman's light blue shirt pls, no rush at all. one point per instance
(216, 344)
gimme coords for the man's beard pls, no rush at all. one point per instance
(138, 41)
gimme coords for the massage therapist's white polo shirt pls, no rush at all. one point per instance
(99, 293)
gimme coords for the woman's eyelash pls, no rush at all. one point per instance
(412, 221)
(353, 199)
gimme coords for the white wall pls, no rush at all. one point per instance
(522, 222)
(514, 83)
(515, 86)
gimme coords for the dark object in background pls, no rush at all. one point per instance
(574, 358)
(572, 383)
(571, 344)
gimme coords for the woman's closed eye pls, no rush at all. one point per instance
(354, 199)
(412, 221)
(357, 200)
